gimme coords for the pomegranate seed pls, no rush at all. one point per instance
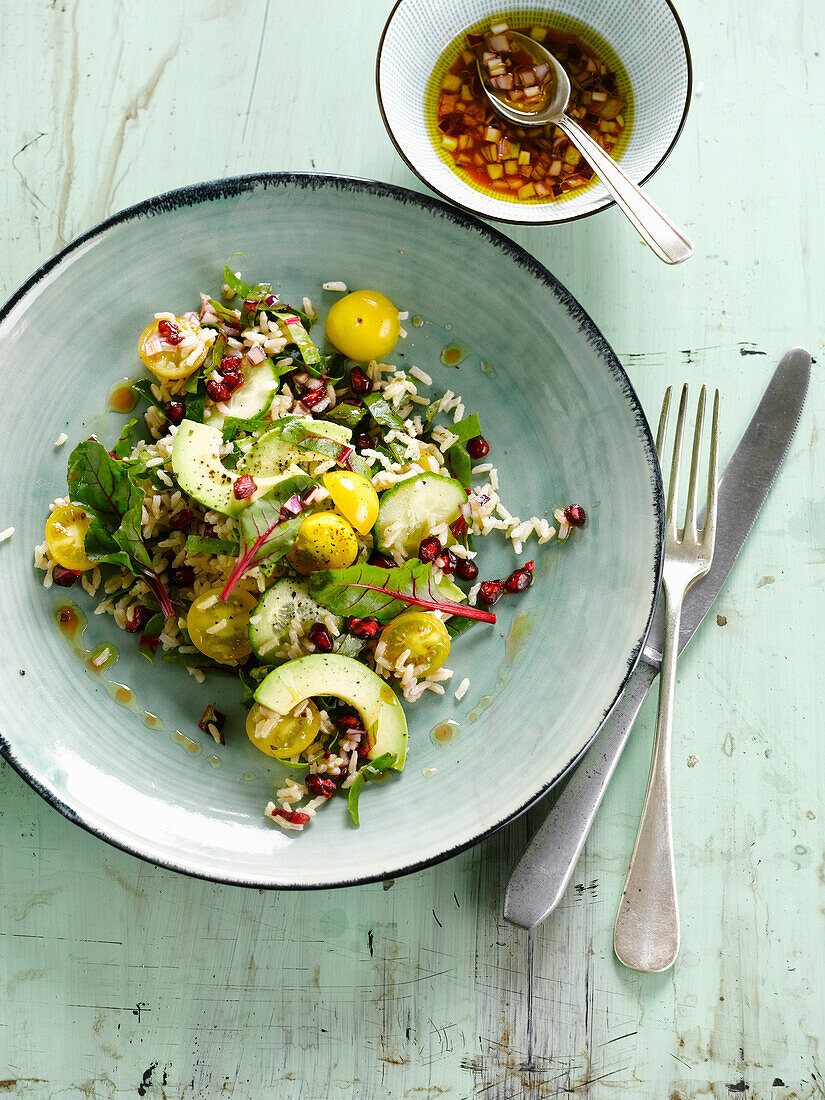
(362, 441)
(233, 380)
(575, 515)
(170, 333)
(477, 447)
(175, 411)
(429, 549)
(364, 628)
(319, 784)
(490, 591)
(64, 577)
(182, 520)
(295, 817)
(244, 487)
(348, 722)
(183, 577)
(217, 391)
(320, 637)
(467, 570)
(447, 562)
(270, 299)
(139, 618)
(230, 363)
(359, 382)
(520, 579)
(383, 561)
(311, 398)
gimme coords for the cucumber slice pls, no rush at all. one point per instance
(285, 604)
(270, 456)
(252, 398)
(410, 510)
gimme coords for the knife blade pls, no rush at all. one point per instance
(544, 871)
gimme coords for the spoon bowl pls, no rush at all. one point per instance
(552, 104)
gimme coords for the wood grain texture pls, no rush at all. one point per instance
(118, 979)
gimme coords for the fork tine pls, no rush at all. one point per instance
(673, 487)
(696, 458)
(709, 532)
(662, 429)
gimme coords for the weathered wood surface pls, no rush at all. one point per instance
(118, 979)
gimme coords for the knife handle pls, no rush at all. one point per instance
(543, 873)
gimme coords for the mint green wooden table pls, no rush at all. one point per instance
(118, 979)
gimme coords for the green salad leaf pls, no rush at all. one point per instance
(234, 281)
(294, 429)
(460, 466)
(201, 544)
(368, 771)
(292, 323)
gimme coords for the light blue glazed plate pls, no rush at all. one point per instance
(564, 426)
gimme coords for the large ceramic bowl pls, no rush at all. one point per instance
(646, 37)
(563, 423)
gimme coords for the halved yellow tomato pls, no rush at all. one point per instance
(354, 497)
(220, 628)
(325, 541)
(66, 531)
(165, 350)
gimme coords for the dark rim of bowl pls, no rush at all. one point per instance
(229, 187)
(606, 204)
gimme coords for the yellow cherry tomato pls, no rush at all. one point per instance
(66, 531)
(354, 497)
(423, 634)
(168, 360)
(325, 541)
(283, 735)
(220, 628)
(363, 325)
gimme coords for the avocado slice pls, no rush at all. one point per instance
(330, 674)
(196, 462)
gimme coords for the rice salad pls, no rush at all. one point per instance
(301, 520)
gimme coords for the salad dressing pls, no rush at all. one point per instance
(452, 355)
(187, 743)
(444, 732)
(122, 398)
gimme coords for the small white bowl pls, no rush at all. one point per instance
(647, 36)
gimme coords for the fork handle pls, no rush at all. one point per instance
(646, 933)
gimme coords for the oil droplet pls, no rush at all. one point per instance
(153, 722)
(481, 706)
(452, 355)
(448, 327)
(250, 776)
(122, 397)
(181, 739)
(122, 695)
(522, 627)
(102, 657)
(215, 761)
(418, 321)
(428, 773)
(488, 369)
(70, 619)
(444, 732)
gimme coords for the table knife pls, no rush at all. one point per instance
(544, 871)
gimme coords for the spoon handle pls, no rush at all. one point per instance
(669, 243)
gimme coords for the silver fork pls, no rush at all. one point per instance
(646, 934)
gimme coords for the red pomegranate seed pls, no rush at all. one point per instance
(217, 391)
(466, 569)
(233, 380)
(348, 722)
(447, 562)
(364, 628)
(64, 577)
(295, 817)
(320, 784)
(139, 618)
(183, 577)
(520, 579)
(311, 398)
(175, 411)
(429, 549)
(230, 363)
(270, 299)
(170, 332)
(182, 520)
(359, 382)
(320, 637)
(383, 561)
(362, 441)
(244, 487)
(490, 591)
(477, 447)
(575, 515)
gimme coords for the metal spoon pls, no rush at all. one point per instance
(668, 242)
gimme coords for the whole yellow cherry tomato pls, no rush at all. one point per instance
(220, 628)
(291, 733)
(165, 358)
(354, 497)
(423, 634)
(325, 541)
(66, 531)
(363, 325)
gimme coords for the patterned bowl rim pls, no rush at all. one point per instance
(604, 204)
(232, 186)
